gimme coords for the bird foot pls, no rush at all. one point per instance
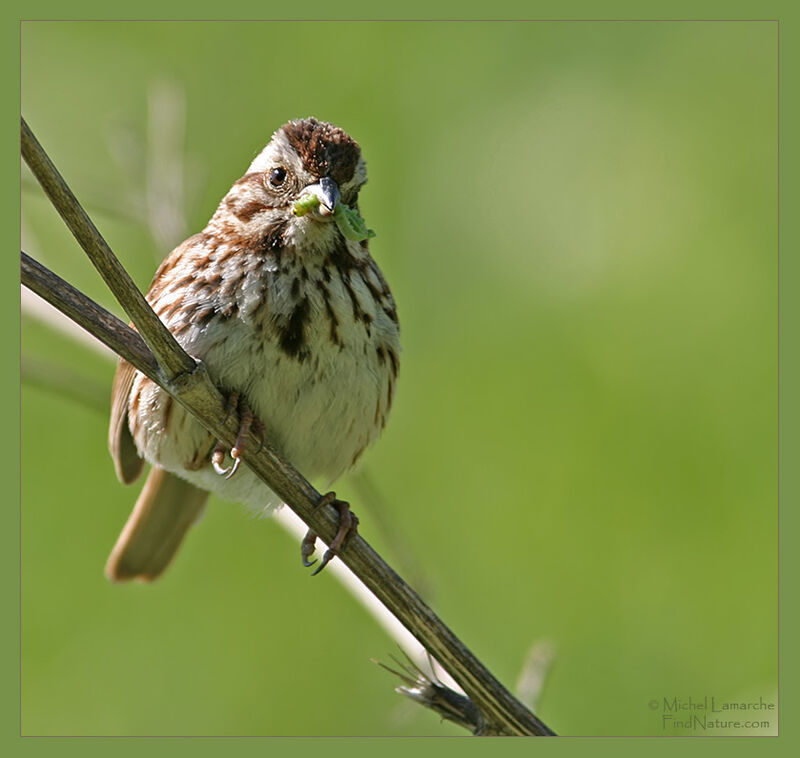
(247, 421)
(348, 525)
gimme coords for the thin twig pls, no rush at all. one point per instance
(192, 388)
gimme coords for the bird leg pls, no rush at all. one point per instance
(348, 525)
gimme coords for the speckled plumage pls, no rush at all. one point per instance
(286, 313)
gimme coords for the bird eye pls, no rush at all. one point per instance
(277, 176)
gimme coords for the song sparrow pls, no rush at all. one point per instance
(294, 322)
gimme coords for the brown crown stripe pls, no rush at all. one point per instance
(324, 149)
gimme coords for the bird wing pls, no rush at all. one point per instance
(127, 462)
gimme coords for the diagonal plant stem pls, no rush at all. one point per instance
(88, 314)
(172, 358)
(160, 357)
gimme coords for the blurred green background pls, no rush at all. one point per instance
(579, 223)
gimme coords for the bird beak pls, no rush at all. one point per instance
(327, 191)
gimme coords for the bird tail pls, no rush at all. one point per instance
(166, 508)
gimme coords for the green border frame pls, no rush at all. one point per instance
(788, 18)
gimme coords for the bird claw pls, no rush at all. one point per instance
(329, 553)
(348, 525)
(248, 420)
(236, 463)
(307, 547)
(217, 457)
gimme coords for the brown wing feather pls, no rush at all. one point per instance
(127, 462)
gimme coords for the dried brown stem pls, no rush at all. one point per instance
(190, 386)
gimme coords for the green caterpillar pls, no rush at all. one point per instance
(305, 204)
(350, 223)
